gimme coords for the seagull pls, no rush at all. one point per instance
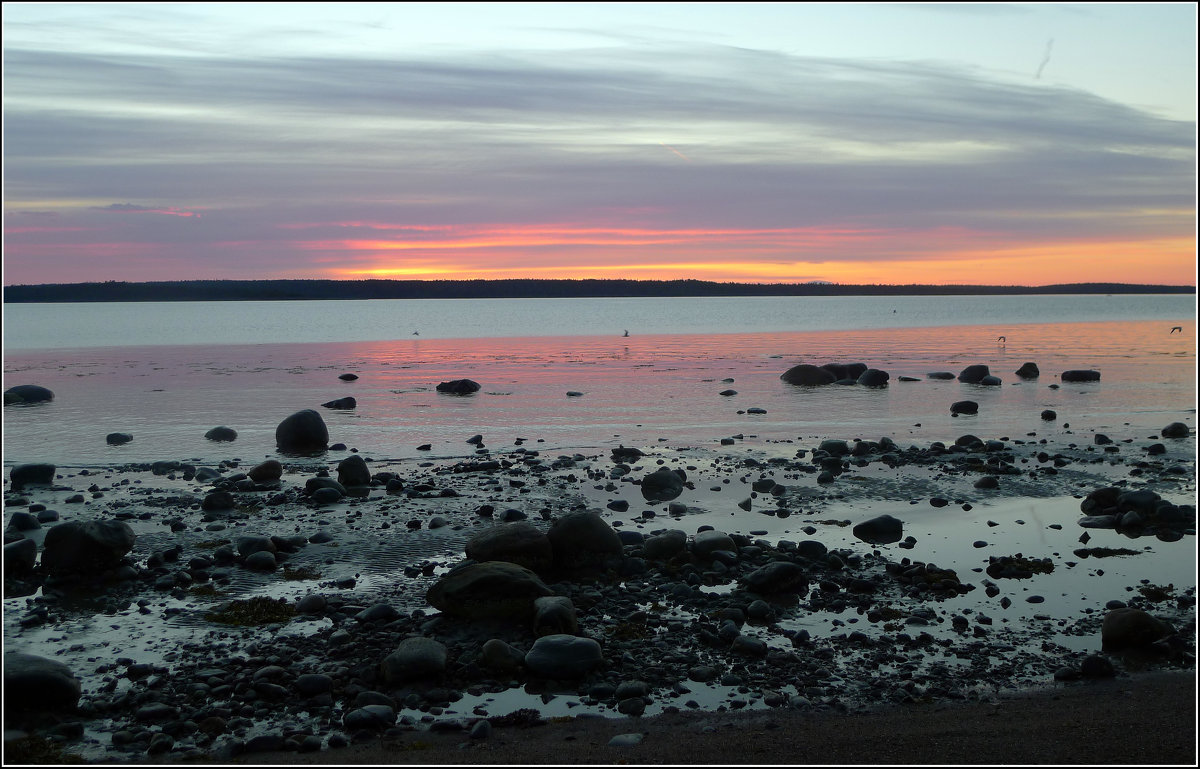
(1001, 340)
(626, 332)
(416, 333)
(1177, 328)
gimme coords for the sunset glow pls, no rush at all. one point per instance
(781, 143)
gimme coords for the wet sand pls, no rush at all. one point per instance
(1147, 719)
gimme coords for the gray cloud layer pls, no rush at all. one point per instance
(773, 140)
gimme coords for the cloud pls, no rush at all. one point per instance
(266, 147)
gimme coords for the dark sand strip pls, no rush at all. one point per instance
(1147, 719)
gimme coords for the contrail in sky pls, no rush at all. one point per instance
(677, 152)
(1045, 59)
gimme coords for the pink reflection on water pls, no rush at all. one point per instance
(635, 390)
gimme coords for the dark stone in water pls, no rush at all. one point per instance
(302, 432)
(27, 394)
(458, 387)
(221, 433)
(117, 439)
(1080, 375)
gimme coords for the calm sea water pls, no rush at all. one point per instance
(166, 373)
(104, 324)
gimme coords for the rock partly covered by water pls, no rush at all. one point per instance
(807, 375)
(1028, 370)
(458, 387)
(1080, 375)
(27, 394)
(663, 485)
(221, 433)
(1128, 628)
(302, 432)
(880, 530)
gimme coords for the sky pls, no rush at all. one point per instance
(901, 143)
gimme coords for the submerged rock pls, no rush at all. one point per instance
(880, 530)
(1080, 375)
(27, 394)
(458, 387)
(806, 375)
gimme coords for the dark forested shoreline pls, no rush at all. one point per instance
(268, 290)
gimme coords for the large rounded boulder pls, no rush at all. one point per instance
(86, 547)
(415, 659)
(807, 375)
(27, 394)
(663, 485)
(563, 656)
(974, 374)
(33, 684)
(301, 433)
(495, 589)
(880, 530)
(583, 541)
(519, 542)
(37, 473)
(873, 377)
(1028, 370)
(1128, 628)
(353, 471)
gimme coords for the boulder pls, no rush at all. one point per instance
(940, 375)
(1080, 375)
(563, 656)
(665, 545)
(845, 372)
(1028, 370)
(347, 377)
(501, 655)
(974, 374)
(964, 407)
(353, 471)
(36, 473)
(343, 404)
(33, 683)
(221, 433)
(880, 530)
(873, 377)
(806, 375)
(777, 577)
(663, 485)
(705, 543)
(458, 387)
(27, 394)
(1128, 628)
(582, 540)
(265, 472)
(519, 542)
(302, 432)
(415, 659)
(554, 614)
(117, 439)
(19, 558)
(86, 547)
(1176, 430)
(494, 589)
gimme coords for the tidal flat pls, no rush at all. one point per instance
(769, 596)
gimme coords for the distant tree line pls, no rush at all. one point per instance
(278, 290)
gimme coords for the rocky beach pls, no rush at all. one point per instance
(327, 602)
